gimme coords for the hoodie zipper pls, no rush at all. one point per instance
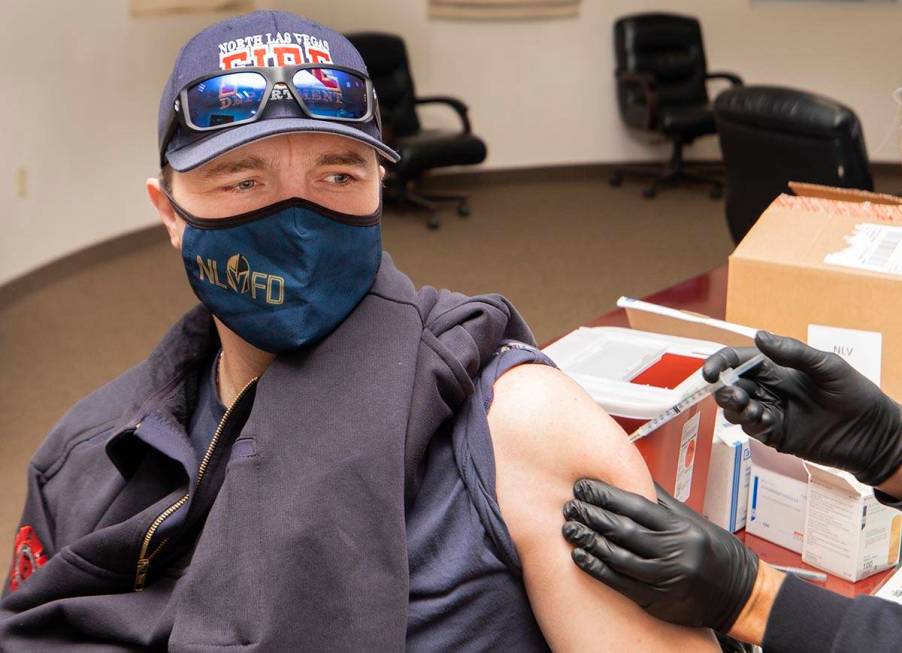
(145, 557)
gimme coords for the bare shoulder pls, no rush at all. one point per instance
(546, 434)
(546, 423)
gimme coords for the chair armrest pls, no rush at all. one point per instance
(735, 80)
(459, 107)
(646, 82)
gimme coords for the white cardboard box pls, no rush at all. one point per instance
(727, 493)
(847, 531)
(778, 494)
(891, 590)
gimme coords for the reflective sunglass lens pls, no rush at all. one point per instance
(225, 99)
(330, 93)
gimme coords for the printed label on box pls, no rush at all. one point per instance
(874, 247)
(777, 508)
(831, 519)
(847, 531)
(686, 461)
(861, 349)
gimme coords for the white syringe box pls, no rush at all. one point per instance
(726, 496)
(635, 376)
(847, 531)
(778, 496)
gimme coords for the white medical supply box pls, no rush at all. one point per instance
(778, 495)
(727, 493)
(847, 531)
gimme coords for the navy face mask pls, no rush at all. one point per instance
(285, 275)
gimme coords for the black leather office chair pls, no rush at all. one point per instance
(662, 88)
(770, 136)
(421, 149)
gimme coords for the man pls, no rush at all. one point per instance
(684, 569)
(283, 471)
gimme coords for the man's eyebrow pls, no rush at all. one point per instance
(250, 162)
(347, 158)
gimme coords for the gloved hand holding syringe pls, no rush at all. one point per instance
(727, 377)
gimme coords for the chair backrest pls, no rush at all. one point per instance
(669, 48)
(770, 136)
(386, 60)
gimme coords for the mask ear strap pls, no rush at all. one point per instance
(182, 213)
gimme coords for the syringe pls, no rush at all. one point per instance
(727, 377)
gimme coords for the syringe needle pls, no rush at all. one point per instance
(727, 377)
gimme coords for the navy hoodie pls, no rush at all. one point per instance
(311, 470)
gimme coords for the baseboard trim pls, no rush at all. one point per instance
(886, 168)
(481, 178)
(125, 244)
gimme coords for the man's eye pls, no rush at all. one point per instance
(340, 178)
(245, 185)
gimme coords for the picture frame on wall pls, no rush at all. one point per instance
(503, 9)
(870, 2)
(166, 7)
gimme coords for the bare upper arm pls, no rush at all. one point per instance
(546, 434)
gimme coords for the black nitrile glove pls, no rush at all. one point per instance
(812, 404)
(664, 556)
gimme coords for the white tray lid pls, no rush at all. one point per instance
(603, 359)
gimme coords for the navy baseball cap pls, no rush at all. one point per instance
(267, 38)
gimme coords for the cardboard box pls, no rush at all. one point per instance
(778, 496)
(847, 531)
(827, 263)
(817, 191)
(729, 474)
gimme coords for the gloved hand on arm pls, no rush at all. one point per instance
(814, 405)
(664, 556)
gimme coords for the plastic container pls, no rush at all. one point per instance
(635, 376)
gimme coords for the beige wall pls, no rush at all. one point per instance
(541, 93)
(79, 116)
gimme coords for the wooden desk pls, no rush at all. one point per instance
(707, 294)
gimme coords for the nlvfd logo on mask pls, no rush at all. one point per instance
(326, 263)
(269, 288)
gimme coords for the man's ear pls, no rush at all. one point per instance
(174, 224)
(381, 173)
